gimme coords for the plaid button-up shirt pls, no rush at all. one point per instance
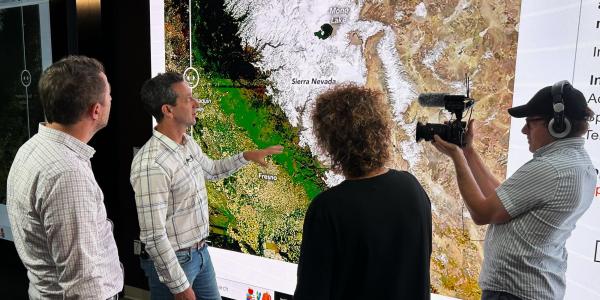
(57, 214)
(171, 199)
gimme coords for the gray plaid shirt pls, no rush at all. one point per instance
(171, 199)
(58, 219)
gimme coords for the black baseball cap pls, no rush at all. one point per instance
(541, 104)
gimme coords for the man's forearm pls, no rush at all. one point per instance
(484, 208)
(218, 169)
(76, 281)
(469, 189)
(166, 264)
(70, 221)
(486, 181)
(152, 187)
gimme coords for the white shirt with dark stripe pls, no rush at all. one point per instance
(171, 199)
(526, 256)
(57, 214)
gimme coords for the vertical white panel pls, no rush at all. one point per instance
(45, 36)
(157, 36)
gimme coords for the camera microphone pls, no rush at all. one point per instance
(432, 99)
(439, 99)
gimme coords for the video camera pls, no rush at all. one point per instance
(453, 131)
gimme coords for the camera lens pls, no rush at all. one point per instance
(422, 132)
(427, 131)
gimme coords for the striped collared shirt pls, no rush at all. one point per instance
(56, 211)
(171, 199)
(526, 256)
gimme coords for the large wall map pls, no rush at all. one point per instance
(259, 64)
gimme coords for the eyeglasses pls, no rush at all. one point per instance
(528, 121)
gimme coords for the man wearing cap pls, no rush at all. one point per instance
(533, 212)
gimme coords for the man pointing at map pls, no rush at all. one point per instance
(168, 175)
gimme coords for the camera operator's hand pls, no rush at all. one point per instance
(469, 135)
(449, 149)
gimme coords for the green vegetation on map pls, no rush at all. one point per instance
(266, 125)
(247, 212)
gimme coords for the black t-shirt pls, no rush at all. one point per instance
(367, 239)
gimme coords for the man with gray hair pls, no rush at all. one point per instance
(55, 207)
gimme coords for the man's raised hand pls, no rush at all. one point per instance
(258, 156)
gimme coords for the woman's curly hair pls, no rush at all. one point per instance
(353, 124)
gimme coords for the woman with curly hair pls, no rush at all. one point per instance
(370, 236)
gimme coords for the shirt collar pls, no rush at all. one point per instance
(575, 142)
(80, 148)
(167, 141)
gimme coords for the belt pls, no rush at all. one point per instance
(196, 246)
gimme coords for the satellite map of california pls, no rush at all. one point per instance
(260, 65)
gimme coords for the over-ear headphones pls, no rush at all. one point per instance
(560, 126)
